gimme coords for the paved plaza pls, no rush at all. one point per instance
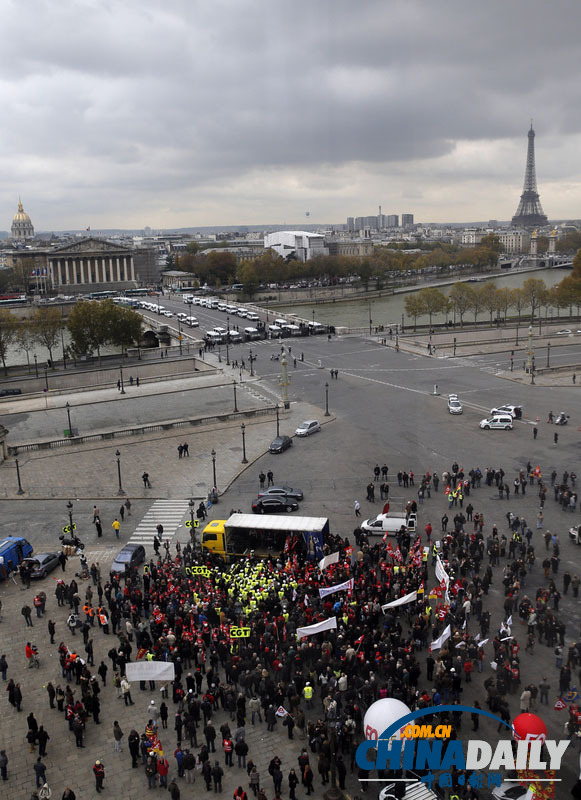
(382, 410)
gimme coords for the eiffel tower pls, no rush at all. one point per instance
(529, 213)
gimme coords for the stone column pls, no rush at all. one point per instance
(132, 267)
(111, 271)
(82, 269)
(117, 268)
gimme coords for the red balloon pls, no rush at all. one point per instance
(529, 727)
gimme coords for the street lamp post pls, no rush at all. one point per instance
(327, 399)
(252, 359)
(370, 321)
(548, 354)
(277, 422)
(454, 346)
(64, 349)
(70, 512)
(180, 334)
(213, 454)
(235, 403)
(35, 365)
(46, 379)
(121, 378)
(68, 408)
(243, 429)
(20, 489)
(192, 505)
(313, 314)
(120, 493)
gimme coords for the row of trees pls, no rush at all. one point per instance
(220, 268)
(466, 298)
(90, 325)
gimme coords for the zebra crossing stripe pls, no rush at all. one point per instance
(169, 513)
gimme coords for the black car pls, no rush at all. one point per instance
(280, 444)
(9, 392)
(274, 505)
(129, 557)
(41, 564)
(280, 491)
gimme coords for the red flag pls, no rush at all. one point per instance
(358, 641)
(385, 508)
(398, 556)
(559, 705)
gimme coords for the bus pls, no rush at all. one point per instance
(102, 295)
(13, 300)
(243, 535)
(136, 292)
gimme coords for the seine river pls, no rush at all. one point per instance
(389, 309)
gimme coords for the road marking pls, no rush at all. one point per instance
(169, 513)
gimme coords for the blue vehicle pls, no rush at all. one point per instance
(13, 549)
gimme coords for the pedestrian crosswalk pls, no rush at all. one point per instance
(168, 513)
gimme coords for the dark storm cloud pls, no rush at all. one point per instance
(122, 109)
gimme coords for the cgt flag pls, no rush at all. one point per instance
(281, 712)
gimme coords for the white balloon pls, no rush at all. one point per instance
(381, 715)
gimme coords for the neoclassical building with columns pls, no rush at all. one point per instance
(90, 263)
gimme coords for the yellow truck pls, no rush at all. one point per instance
(263, 536)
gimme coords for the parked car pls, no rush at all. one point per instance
(41, 564)
(454, 405)
(9, 392)
(503, 421)
(130, 556)
(514, 411)
(274, 505)
(280, 444)
(308, 427)
(563, 332)
(280, 491)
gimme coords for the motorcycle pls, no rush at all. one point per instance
(562, 419)
(274, 357)
(71, 541)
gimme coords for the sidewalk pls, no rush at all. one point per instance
(90, 470)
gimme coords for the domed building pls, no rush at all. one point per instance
(22, 227)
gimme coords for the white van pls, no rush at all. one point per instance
(503, 421)
(192, 322)
(251, 333)
(280, 322)
(235, 337)
(274, 331)
(252, 316)
(215, 337)
(316, 327)
(383, 524)
(213, 303)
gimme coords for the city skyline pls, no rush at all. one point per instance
(193, 115)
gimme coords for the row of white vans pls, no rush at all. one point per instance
(213, 302)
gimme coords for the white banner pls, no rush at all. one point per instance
(441, 573)
(437, 643)
(281, 712)
(150, 671)
(318, 627)
(482, 643)
(339, 587)
(328, 560)
(401, 601)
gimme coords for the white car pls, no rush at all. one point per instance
(514, 411)
(503, 421)
(563, 332)
(308, 427)
(454, 405)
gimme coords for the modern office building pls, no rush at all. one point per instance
(301, 245)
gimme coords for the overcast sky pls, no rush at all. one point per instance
(180, 113)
